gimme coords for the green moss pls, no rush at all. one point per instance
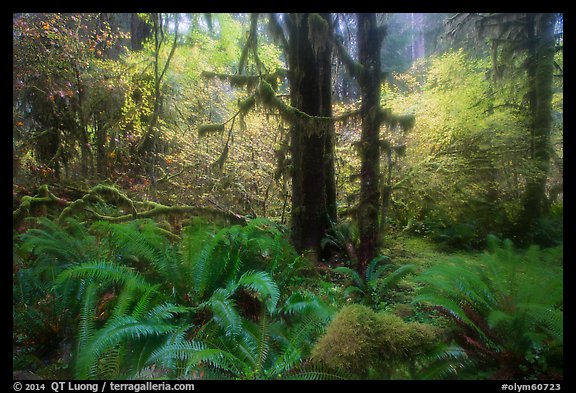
(359, 341)
(318, 32)
(349, 343)
(204, 129)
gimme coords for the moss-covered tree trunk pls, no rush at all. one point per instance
(313, 189)
(369, 44)
(540, 75)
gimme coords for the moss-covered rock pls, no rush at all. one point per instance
(359, 340)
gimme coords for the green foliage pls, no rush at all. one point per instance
(369, 344)
(136, 297)
(509, 307)
(235, 344)
(44, 313)
(466, 160)
(370, 289)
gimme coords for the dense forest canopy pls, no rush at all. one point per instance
(288, 195)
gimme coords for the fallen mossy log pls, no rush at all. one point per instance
(132, 210)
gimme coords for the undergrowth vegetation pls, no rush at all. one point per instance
(218, 302)
(131, 300)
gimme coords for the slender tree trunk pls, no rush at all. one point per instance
(147, 147)
(311, 149)
(540, 74)
(100, 141)
(369, 44)
(386, 192)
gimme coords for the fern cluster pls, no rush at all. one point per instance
(207, 306)
(43, 314)
(509, 308)
(378, 278)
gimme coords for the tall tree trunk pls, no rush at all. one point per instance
(311, 149)
(369, 44)
(540, 75)
(139, 32)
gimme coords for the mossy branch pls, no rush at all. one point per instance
(354, 68)
(99, 193)
(154, 209)
(204, 129)
(248, 81)
(290, 114)
(108, 194)
(157, 209)
(44, 197)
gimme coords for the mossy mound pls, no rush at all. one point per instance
(359, 339)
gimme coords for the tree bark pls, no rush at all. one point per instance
(540, 75)
(139, 32)
(369, 44)
(313, 189)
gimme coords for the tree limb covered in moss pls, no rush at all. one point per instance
(292, 115)
(99, 193)
(157, 209)
(249, 81)
(108, 194)
(44, 197)
(354, 68)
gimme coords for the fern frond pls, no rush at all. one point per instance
(394, 277)
(115, 331)
(139, 239)
(109, 363)
(207, 268)
(106, 272)
(224, 311)
(353, 274)
(263, 284)
(165, 311)
(143, 300)
(167, 354)
(444, 361)
(263, 344)
(54, 243)
(315, 372)
(373, 270)
(86, 327)
(305, 303)
(450, 306)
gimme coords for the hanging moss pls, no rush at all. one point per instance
(405, 122)
(385, 145)
(318, 32)
(400, 150)
(204, 129)
(245, 105)
(312, 124)
(234, 80)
